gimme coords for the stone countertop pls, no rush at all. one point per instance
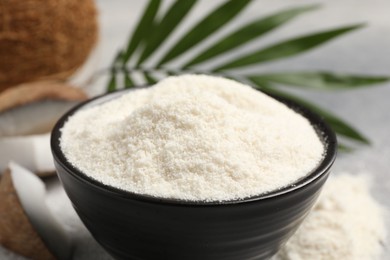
(366, 51)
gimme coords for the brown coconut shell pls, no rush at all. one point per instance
(16, 232)
(44, 39)
(39, 91)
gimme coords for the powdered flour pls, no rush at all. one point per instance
(346, 223)
(193, 137)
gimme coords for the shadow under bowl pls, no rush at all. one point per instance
(133, 226)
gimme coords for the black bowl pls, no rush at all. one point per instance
(133, 226)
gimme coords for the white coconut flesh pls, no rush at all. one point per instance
(33, 118)
(31, 193)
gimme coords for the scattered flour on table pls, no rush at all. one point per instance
(346, 223)
(193, 137)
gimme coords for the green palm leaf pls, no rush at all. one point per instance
(129, 82)
(150, 79)
(112, 83)
(337, 124)
(287, 48)
(344, 148)
(204, 28)
(320, 80)
(151, 32)
(118, 60)
(165, 27)
(143, 26)
(249, 32)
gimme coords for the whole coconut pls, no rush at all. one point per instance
(44, 39)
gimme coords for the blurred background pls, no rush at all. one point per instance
(365, 51)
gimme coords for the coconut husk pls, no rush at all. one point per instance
(16, 232)
(44, 39)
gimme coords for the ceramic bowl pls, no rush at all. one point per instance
(133, 226)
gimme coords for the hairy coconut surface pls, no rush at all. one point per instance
(44, 39)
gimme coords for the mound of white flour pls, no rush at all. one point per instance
(346, 223)
(193, 137)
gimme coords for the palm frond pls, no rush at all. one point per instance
(112, 83)
(211, 23)
(149, 78)
(165, 27)
(156, 26)
(145, 23)
(321, 80)
(337, 124)
(287, 48)
(129, 82)
(248, 33)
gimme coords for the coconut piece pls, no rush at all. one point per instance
(33, 201)
(35, 107)
(36, 91)
(33, 119)
(27, 227)
(16, 232)
(26, 112)
(33, 152)
(44, 39)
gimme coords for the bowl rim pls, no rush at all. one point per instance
(322, 129)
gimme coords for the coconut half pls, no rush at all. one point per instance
(27, 226)
(27, 114)
(32, 151)
(44, 39)
(35, 107)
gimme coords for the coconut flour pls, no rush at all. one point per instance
(193, 137)
(346, 223)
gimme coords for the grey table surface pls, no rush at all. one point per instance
(366, 51)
